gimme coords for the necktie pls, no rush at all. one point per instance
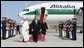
(36, 21)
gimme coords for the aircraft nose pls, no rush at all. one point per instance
(21, 13)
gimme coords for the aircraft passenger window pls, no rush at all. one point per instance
(26, 10)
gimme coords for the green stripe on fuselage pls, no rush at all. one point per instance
(60, 11)
(54, 11)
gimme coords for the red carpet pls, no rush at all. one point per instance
(39, 37)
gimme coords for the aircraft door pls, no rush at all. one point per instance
(37, 12)
(42, 14)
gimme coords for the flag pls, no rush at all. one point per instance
(26, 5)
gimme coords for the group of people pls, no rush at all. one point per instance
(67, 29)
(36, 29)
(9, 28)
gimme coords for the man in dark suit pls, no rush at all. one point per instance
(3, 28)
(18, 29)
(35, 26)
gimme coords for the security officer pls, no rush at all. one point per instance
(74, 28)
(67, 28)
(7, 28)
(14, 28)
(10, 28)
(60, 28)
(3, 28)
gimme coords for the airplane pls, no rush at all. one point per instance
(56, 11)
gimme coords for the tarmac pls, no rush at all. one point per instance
(52, 40)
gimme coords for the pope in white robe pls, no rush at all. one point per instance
(25, 30)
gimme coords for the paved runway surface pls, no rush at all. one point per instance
(52, 40)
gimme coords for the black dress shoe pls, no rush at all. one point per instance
(35, 41)
(4, 39)
(74, 39)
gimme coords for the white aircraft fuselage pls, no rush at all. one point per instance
(55, 11)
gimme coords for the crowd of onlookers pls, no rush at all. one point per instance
(67, 29)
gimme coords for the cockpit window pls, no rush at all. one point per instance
(26, 10)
